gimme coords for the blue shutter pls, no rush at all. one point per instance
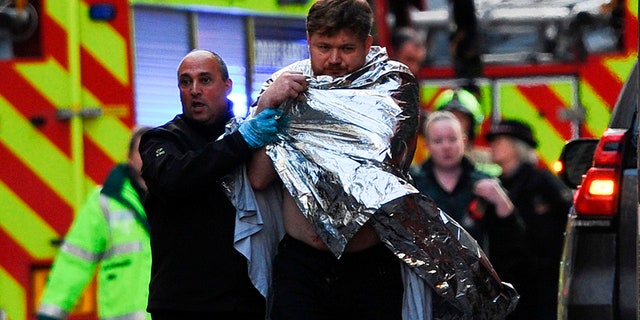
(225, 35)
(161, 40)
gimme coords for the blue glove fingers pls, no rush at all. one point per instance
(262, 129)
(269, 125)
(269, 113)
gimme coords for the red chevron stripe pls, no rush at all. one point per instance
(102, 84)
(97, 163)
(604, 84)
(31, 104)
(55, 41)
(541, 97)
(15, 260)
(631, 31)
(34, 192)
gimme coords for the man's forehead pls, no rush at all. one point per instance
(195, 73)
(342, 38)
(197, 62)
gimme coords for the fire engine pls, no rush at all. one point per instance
(78, 75)
(557, 65)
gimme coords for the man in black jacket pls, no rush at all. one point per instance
(196, 273)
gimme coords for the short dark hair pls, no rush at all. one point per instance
(328, 17)
(221, 65)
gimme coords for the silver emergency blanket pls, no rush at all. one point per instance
(342, 155)
(332, 160)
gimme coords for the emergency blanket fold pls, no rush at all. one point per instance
(338, 156)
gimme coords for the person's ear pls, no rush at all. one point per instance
(229, 86)
(368, 42)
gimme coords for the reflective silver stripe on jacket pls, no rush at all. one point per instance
(104, 204)
(79, 252)
(114, 215)
(123, 248)
(52, 311)
(138, 315)
(90, 256)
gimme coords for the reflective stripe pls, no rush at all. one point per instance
(108, 214)
(123, 248)
(138, 315)
(52, 311)
(89, 256)
(80, 253)
(104, 204)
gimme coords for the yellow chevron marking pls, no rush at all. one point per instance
(98, 38)
(620, 66)
(114, 135)
(550, 142)
(427, 93)
(596, 109)
(105, 44)
(632, 6)
(111, 135)
(107, 132)
(16, 217)
(56, 87)
(37, 152)
(57, 11)
(14, 298)
(564, 91)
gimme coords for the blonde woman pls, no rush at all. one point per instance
(471, 197)
(543, 203)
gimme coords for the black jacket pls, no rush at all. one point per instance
(194, 265)
(543, 202)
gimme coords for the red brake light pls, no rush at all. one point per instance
(598, 194)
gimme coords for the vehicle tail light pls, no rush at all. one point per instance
(598, 193)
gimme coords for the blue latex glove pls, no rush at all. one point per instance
(262, 129)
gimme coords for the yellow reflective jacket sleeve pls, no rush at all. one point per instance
(108, 238)
(75, 262)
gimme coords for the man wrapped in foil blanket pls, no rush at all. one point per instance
(343, 155)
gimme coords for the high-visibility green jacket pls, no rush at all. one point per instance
(110, 234)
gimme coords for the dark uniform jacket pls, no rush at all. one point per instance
(543, 203)
(195, 266)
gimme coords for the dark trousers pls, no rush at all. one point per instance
(311, 284)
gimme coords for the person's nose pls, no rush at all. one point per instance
(334, 56)
(195, 89)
